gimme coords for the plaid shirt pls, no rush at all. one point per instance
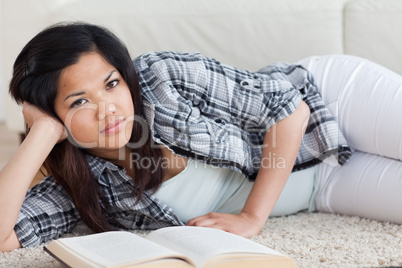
(219, 114)
(200, 109)
(48, 211)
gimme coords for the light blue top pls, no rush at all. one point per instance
(201, 188)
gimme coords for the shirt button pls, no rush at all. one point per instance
(244, 83)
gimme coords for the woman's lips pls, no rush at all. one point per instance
(113, 127)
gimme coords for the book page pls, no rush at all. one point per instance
(201, 244)
(116, 248)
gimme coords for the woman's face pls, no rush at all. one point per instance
(95, 104)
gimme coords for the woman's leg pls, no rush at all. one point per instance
(367, 100)
(368, 186)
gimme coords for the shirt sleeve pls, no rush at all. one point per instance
(46, 213)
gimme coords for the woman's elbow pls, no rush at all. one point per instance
(303, 109)
(10, 243)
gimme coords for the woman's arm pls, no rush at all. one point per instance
(282, 140)
(17, 175)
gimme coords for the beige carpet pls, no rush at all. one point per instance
(313, 240)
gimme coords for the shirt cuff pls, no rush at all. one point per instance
(25, 232)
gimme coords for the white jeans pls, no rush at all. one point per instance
(366, 98)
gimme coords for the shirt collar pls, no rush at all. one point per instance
(98, 167)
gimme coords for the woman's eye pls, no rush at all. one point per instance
(78, 103)
(112, 84)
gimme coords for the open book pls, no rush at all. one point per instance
(181, 246)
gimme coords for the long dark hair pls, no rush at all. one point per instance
(35, 78)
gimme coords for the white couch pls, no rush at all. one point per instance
(245, 33)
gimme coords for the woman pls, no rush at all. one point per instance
(115, 137)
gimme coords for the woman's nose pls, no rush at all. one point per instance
(105, 109)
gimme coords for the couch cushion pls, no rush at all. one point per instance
(244, 33)
(373, 31)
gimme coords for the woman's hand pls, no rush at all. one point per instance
(242, 224)
(32, 115)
